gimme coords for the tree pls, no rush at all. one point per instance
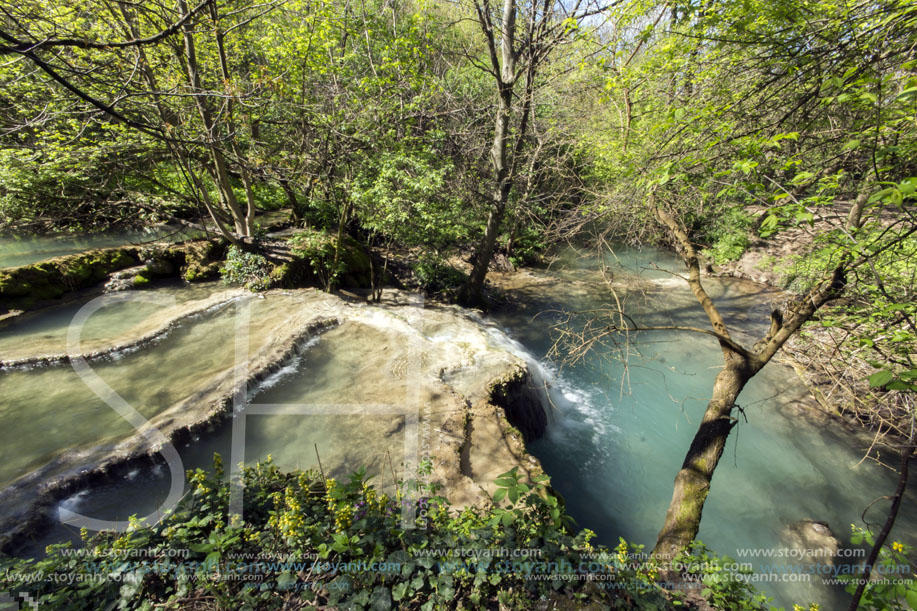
(514, 56)
(133, 83)
(733, 110)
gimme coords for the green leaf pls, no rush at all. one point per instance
(513, 495)
(381, 599)
(285, 580)
(200, 547)
(399, 590)
(499, 495)
(881, 378)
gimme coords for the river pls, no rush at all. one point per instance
(621, 431)
(622, 417)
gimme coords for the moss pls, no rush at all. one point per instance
(10, 286)
(23, 287)
(140, 281)
(290, 274)
(200, 259)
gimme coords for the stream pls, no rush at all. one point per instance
(620, 433)
(619, 428)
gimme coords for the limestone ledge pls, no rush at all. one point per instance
(477, 406)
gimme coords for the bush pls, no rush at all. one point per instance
(310, 541)
(895, 588)
(246, 268)
(317, 248)
(434, 275)
(727, 235)
(723, 588)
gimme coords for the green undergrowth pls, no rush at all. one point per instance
(313, 258)
(433, 274)
(251, 270)
(306, 541)
(728, 235)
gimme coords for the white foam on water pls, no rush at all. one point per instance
(572, 410)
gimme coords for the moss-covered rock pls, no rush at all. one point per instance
(26, 286)
(32, 285)
(140, 281)
(201, 259)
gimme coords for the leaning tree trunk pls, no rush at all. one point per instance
(692, 483)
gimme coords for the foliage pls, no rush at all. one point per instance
(249, 269)
(306, 540)
(320, 251)
(435, 275)
(893, 590)
(404, 194)
(723, 588)
(727, 234)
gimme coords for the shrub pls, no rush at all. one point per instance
(727, 235)
(317, 248)
(246, 268)
(433, 274)
(896, 586)
(311, 541)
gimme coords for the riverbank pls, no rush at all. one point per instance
(832, 354)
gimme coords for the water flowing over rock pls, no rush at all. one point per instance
(469, 399)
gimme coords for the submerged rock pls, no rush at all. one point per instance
(812, 540)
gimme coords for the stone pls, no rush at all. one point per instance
(813, 541)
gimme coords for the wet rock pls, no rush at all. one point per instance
(813, 541)
(124, 280)
(516, 394)
(159, 267)
(200, 260)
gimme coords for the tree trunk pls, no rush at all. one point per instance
(167, 117)
(220, 172)
(504, 71)
(472, 293)
(692, 483)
